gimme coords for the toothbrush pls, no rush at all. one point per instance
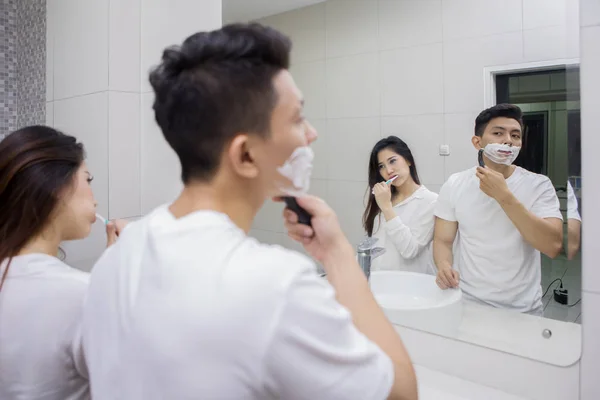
(389, 181)
(101, 218)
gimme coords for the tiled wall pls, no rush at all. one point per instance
(414, 69)
(22, 63)
(590, 104)
(8, 66)
(31, 62)
(98, 56)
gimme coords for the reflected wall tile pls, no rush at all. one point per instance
(464, 61)
(350, 142)
(352, 27)
(348, 201)
(412, 80)
(306, 29)
(459, 129)
(544, 13)
(353, 86)
(472, 18)
(311, 80)
(423, 134)
(405, 23)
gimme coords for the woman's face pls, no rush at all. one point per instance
(392, 164)
(77, 208)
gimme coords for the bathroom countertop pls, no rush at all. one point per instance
(434, 385)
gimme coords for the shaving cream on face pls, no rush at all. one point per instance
(297, 169)
(501, 153)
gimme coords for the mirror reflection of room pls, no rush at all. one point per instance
(550, 102)
(394, 89)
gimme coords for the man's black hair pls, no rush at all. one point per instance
(499, 110)
(213, 86)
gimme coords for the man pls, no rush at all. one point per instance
(185, 305)
(505, 216)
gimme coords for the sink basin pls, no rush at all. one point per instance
(414, 300)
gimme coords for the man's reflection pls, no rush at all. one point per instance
(573, 223)
(505, 216)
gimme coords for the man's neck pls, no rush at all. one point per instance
(505, 170)
(197, 197)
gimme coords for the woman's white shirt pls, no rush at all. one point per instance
(41, 355)
(407, 238)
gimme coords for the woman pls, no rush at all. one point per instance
(45, 198)
(400, 210)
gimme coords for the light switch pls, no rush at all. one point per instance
(444, 150)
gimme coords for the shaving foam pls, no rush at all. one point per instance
(501, 153)
(297, 169)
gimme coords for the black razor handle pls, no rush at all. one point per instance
(480, 158)
(303, 216)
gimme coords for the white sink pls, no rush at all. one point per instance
(414, 300)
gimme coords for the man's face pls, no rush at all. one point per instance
(289, 130)
(500, 130)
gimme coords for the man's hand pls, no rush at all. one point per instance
(492, 183)
(325, 240)
(447, 277)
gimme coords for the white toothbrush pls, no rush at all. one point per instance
(386, 182)
(101, 218)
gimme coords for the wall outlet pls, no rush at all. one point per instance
(444, 150)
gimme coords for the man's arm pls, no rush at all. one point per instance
(544, 234)
(573, 237)
(443, 240)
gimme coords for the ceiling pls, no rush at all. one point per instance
(246, 10)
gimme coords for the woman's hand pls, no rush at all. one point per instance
(383, 195)
(113, 230)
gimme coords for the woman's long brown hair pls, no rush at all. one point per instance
(37, 165)
(399, 147)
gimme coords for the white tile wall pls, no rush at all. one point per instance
(464, 61)
(311, 77)
(124, 155)
(353, 86)
(476, 18)
(412, 80)
(423, 134)
(124, 41)
(352, 137)
(543, 13)
(351, 18)
(409, 68)
(405, 23)
(590, 103)
(80, 47)
(160, 170)
(166, 23)
(590, 12)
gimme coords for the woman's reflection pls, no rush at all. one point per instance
(400, 210)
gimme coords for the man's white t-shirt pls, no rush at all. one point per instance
(407, 237)
(192, 308)
(497, 266)
(41, 356)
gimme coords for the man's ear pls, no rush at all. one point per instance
(241, 158)
(476, 140)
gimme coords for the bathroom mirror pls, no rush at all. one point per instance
(413, 69)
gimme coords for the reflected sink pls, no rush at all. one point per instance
(414, 300)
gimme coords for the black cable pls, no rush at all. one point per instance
(548, 288)
(561, 286)
(574, 304)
